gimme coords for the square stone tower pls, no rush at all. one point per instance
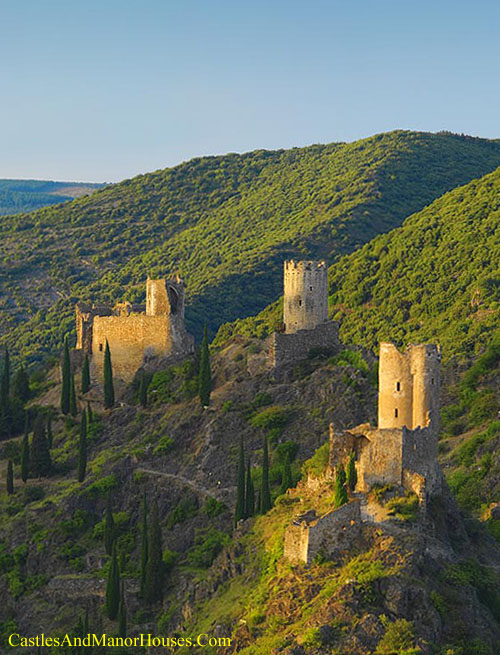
(305, 302)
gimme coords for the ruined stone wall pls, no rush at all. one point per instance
(305, 300)
(329, 534)
(425, 368)
(130, 338)
(288, 348)
(296, 543)
(380, 460)
(420, 455)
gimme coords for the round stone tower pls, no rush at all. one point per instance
(305, 302)
(409, 386)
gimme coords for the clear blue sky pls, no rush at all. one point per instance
(100, 90)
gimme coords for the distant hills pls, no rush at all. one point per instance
(226, 223)
(28, 195)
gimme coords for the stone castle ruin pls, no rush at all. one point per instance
(305, 318)
(135, 333)
(401, 452)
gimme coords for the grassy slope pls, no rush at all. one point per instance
(435, 278)
(225, 222)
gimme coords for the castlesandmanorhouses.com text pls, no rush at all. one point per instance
(108, 641)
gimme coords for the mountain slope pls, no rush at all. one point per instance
(435, 278)
(28, 195)
(225, 223)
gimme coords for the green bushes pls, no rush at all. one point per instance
(208, 544)
(316, 466)
(184, 510)
(404, 508)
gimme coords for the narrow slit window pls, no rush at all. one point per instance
(432, 380)
(310, 288)
(100, 347)
(398, 386)
(300, 303)
(396, 413)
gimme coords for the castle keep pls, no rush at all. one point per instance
(305, 318)
(402, 451)
(135, 333)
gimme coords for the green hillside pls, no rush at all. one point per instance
(27, 195)
(435, 278)
(225, 223)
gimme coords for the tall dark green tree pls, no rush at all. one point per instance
(66, 379)
(85, 374)
(205, 375)
(40, 460)
(73, 409)
(144, 543)
(265, 491)
(109, 528)
(351, 474)
(5, 380)
(113, 587)
(122, 614)
(153, 588)
(82, 448)
(21, 384)
(286, 475)
(90, 416)
(239, 512)
(143, 390)
(10, 478)
(249, 492)
(50, 436)
(25, 452)
(339, 490)
(109, 390)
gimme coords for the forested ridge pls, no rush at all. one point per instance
(225, 223)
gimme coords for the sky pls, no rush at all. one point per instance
(102, 90)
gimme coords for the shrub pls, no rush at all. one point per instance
(184, 510)
(208, 544)
(399, 639)
(404, 508)
(316, 466)
(213, 508)
(163, 445)
(274, 417)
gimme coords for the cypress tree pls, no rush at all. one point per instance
(10, 478)
(72, 396)
(249, 493)
(286, 476)
(109, 528)
(113, 587)
(86, 631)
(109, 391)
(265, 492)
(50, 436)
(82, 448)
(40, 460)
(144, 543)
(258, 504)
(25, 453)
(66, 379)
(122, 614)
(5, 381)
(90, 416)
(153, 588)
(143, 390)
(239, 512)
(85, 374)
(205, 376)
(351, 474)
(21, 385)
(340, 491)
